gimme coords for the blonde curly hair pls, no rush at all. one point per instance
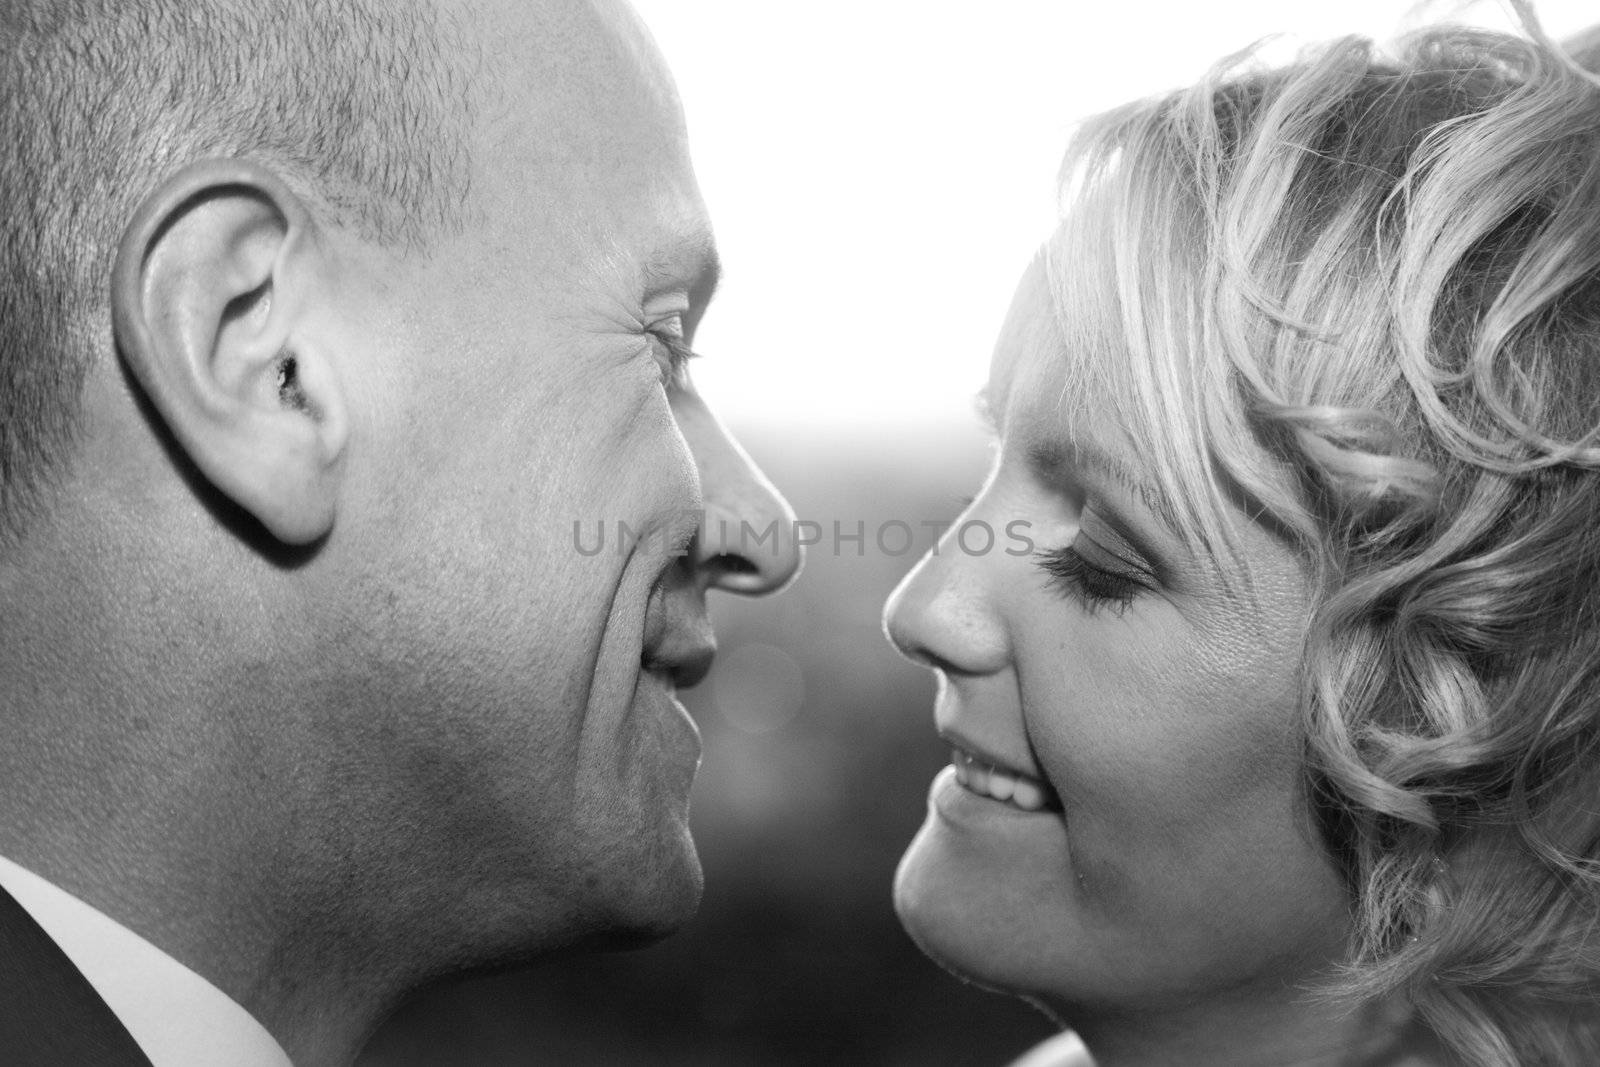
(1360, 294)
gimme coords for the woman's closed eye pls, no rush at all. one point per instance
(1095, 585)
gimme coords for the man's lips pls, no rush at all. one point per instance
(679, 643)
(684, 662)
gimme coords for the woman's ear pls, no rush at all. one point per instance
(209, 303)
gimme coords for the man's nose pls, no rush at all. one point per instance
(747, 543)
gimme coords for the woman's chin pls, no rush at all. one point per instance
(944, 909)
(994, 914)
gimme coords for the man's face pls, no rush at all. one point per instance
(503, 741)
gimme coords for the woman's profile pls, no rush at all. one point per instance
(1281, 745)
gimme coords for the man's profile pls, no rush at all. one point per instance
(320, 325)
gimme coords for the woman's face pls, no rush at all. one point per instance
(1157, 850)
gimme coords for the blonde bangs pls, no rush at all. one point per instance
(1123, 273)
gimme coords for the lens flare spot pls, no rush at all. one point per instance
(757, 688)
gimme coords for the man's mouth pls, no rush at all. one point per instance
(683, 666)
(679, 644)
(1005, 784)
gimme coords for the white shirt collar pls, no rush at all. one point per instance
(177, 1017)
(1063, 1050)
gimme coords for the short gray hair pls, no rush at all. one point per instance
(363, 105)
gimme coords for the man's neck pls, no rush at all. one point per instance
(129, 780)
(304, 997)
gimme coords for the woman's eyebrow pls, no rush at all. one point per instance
(1053, 457)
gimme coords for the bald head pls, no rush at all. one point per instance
(578, 85)
(361, 104)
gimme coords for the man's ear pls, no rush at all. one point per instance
(209, 303)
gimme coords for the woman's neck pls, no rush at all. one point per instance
(1262, 1033)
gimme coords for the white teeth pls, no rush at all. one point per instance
(1028, 796)
(1004, 786)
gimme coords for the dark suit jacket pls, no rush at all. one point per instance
(50, 1016)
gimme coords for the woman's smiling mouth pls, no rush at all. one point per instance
(1008, 786)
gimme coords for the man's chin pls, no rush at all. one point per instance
(666, 884)
(677, 891)
(656, 904)
(642, 878)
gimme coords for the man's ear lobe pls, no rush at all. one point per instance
(209, 305)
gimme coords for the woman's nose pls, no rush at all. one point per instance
(942, 616)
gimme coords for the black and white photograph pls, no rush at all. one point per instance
(706, 533)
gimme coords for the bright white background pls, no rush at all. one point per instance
(879, 171)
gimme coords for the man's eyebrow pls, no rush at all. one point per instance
(689, 262)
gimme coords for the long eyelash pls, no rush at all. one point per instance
(678, 357)
(1091, 586)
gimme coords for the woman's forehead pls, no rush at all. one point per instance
(1027, 373)
(1070, 385)
(1041, 384)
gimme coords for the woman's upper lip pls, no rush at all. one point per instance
(1015, 767)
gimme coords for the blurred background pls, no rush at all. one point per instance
(879, 172)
